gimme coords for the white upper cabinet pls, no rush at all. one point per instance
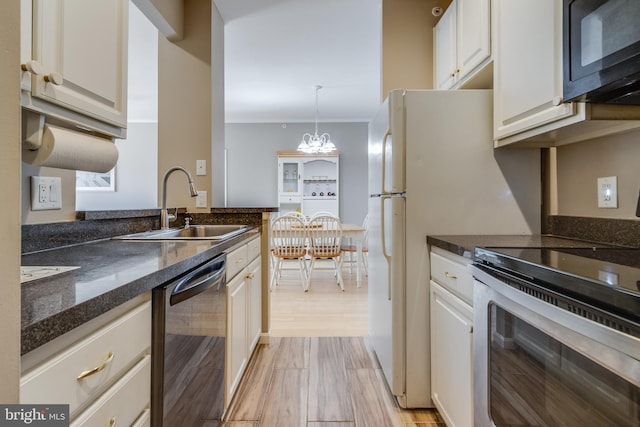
(444, 46)
(76, 57)
(462, 45)
(528, 104)
(528, 67)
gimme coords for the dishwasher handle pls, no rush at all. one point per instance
(213, 273)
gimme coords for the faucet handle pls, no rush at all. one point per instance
(173, 216)
(187, 219)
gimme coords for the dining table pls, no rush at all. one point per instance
(357, 233)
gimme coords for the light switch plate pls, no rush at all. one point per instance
(46, 193)
(608, 192)
(201, 167)
(201, 199)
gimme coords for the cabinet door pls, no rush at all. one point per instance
(451, 357)
(236, 334)
(254, 281)
(444, 36)
(528, 65)
(289, 177)
(84, 43)
(473, 38)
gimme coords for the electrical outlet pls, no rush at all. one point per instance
(608, 192)
(46, 193)
(201, 199)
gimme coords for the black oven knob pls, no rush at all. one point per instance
(322, 193)
(313, 194)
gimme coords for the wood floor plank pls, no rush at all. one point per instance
(371, 405)
(293, 353)
(358, 355)
(331, 424)
(235, 424)
(286, 402)
(255, 383)
(328, 386)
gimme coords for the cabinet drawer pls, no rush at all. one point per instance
(253, 248)
(123, 403)
(453, 275)
(290, 199)
(236, 261)
(110, 351)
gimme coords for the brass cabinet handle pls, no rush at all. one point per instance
(97, 369)
(449, 275)
(250, 276)
(54, 78)
(112, 421)
(33, 67)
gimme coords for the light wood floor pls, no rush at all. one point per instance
(324, 310)
(318, 370)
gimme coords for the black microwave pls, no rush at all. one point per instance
(601, 51)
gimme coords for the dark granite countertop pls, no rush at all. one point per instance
(111, 273)
(463, 245)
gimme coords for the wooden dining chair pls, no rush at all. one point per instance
(289, 242)
(325, 235)
(349, 250)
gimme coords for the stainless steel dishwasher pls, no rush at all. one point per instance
(188, 347)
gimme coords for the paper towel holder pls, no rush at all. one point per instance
(33, 128)
(51, 142)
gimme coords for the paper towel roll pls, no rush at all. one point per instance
(67, 149)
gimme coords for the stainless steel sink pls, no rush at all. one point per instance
(193, 232)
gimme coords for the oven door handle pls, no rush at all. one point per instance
(199, 281)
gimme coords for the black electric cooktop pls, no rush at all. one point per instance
(604, 277)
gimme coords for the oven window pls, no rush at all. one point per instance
(536, 380)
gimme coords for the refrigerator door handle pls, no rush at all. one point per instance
(386, 254)
(384, 158)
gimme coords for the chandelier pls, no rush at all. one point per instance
(316, 143)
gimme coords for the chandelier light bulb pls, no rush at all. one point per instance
(316, 143)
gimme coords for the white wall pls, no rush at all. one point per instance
(252, 169)
(137, 168)
(136, 174)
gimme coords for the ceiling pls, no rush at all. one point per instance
(276, 51)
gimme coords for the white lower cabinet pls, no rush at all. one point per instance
(236, 334)
(123, 403)
(244, 312)
(254, 280)
(451, 339)
(104, 375)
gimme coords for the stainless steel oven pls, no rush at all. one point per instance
(545, 352)
(188, 348)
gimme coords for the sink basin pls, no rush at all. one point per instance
(193, 232)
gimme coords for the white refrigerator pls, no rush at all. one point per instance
(433, 171)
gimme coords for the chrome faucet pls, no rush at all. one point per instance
(165, 216)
